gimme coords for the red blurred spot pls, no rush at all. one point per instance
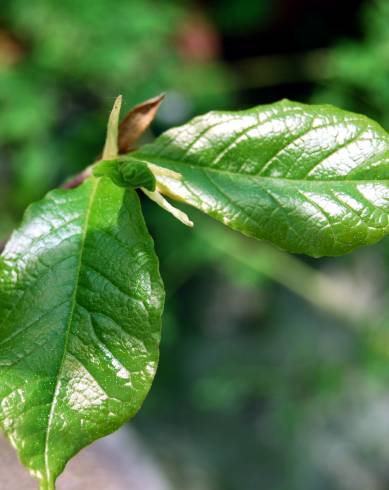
(198, 39)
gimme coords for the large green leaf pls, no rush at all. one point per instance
(311, 179)
(81, 301)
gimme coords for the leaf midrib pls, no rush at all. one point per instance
(160, 161)
(95, 183)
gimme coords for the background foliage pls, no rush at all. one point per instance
(274, 369)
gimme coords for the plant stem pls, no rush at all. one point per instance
(47, 485)
(312, 285)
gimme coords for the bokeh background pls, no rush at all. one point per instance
(274, 368)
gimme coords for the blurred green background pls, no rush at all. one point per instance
(274, 369)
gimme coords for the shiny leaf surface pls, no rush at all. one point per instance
(81, 301)
(310, 179)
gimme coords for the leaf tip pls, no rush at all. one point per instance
(136, 121)
(111, 148)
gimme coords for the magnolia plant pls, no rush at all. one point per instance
(81, 297)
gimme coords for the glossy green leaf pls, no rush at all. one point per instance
(310, 179)
(81, 301)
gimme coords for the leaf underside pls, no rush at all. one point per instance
(81, 301)
(310, 179)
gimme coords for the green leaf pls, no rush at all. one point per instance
(130, 173)
(81, 302)
(111, 147)
(137, 174)
(109, 168)
(310, 179)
